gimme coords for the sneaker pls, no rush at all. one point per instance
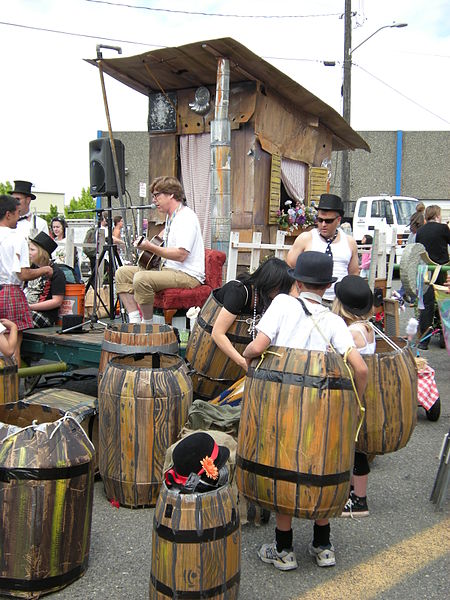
(324, 555)
(355, 507)
(284, 561)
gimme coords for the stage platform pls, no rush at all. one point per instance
(77, 350)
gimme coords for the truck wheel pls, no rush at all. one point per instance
(435, 411)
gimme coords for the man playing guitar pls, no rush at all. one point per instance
(182, 254)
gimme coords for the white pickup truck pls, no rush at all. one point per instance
(385, 213)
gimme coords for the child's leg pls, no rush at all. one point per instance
(356, 505)
(321, 547)
(280, 553)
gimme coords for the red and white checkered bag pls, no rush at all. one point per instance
(427, 392)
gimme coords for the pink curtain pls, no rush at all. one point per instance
(293, 176)
(195, 154)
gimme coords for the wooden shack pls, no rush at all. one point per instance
(282, 136)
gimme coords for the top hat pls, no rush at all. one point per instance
(23, 187)
(331, 202)
(313, 267)
(45, 241)
(197, 453)
(355, 294)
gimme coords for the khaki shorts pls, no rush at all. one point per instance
(145, 284)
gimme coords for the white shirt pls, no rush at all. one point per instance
(286, 324)
(342, 255)
(25, 225)
(185, 233)
(14, 256)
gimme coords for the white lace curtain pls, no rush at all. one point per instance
(293, 176)
(195, 157)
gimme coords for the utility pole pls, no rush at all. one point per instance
(346, 100)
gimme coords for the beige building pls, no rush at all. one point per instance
(45, 199)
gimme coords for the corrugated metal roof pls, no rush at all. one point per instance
(196, 64)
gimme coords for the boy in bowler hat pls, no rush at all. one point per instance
(302, 322)
(27, 221)
(329, 239)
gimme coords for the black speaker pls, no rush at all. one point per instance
(101, 167)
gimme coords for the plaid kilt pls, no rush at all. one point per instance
(40, 320)
(14, 306)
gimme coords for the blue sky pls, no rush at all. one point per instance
(53, 107)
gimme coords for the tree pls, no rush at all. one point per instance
(52, 213)
(5, 187)
(85, 201)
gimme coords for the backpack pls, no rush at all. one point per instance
(89, 238)
(69, 273)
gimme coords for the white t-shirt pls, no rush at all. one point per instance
(286, 324)
(185, 233)
(24, 226)
(14, 255)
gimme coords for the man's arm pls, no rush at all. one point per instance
(300, 245)
(257, 346)
(178, 254)
(353, 266)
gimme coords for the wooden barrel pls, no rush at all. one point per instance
(390, 399)
(136, 338)
(143, 402)
(196, 545)
(296, 438)
(46, 494)
(82, 407)
(9, 380)
(214, 372)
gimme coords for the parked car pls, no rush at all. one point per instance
(384, 213)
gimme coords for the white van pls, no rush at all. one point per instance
(383, 212)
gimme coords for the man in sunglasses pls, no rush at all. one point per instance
(27, 221)
(331, 240)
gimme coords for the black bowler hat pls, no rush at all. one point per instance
(197, 453)
(45, 241)
(23, 187)
(355, 294)
(331, 202)
(313, 267)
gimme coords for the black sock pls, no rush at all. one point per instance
(283, 540)
(321, 535)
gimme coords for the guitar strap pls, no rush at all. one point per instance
(169, 221)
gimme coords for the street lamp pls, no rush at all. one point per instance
(346, 90)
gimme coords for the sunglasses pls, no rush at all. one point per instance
(327, 221)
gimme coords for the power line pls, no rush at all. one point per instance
(401, 94)
(83, 35)
(205, 14)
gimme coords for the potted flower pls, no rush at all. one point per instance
(297, 218)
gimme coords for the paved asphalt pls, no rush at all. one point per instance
(401, 551)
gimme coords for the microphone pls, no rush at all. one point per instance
(152, 205)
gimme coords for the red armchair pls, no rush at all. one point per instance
(173, 299)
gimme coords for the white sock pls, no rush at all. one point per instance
(147, 321)
(134, 316)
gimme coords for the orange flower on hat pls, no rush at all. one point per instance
(210, 468)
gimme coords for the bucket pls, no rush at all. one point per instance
(296, 438)
(196, 545)
(130, 338)
(143, 404)
(214, 371)
(9, 380)
(390, 399)
(46, 492)
(73, 303)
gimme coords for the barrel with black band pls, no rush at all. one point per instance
(46, 494)
(9, 380)
(196, 545)
(390, 398)
(297, 433)
(136, 338)
(143, 402)
(214, 371)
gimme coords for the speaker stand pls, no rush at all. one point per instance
(114, 261)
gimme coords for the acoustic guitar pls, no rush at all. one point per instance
(149, 261)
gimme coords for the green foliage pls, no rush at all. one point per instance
(84, 201)
(53, 213)
(5, 187)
